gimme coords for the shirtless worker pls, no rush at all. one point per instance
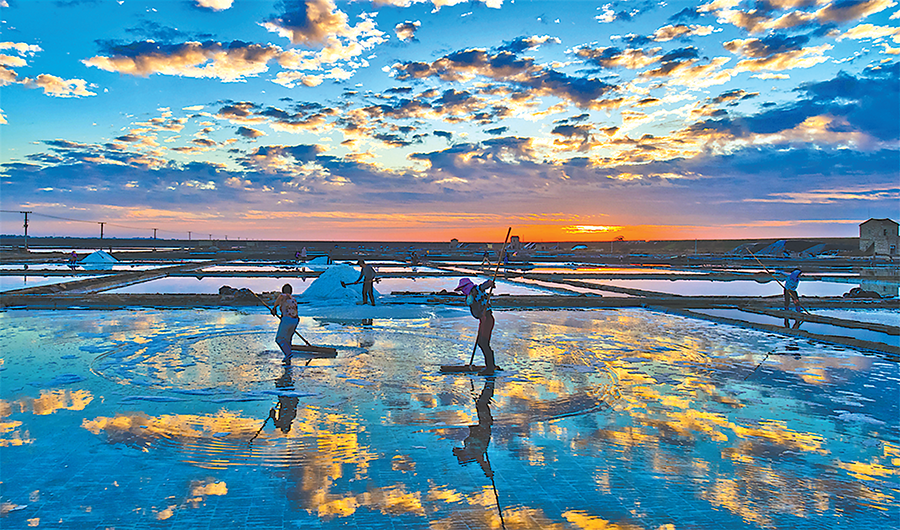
(367, 277)
(289, 320)
(479, 301)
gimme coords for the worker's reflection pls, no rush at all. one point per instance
(476, 443)
(284, 413)
(797, 322)
(367, 336)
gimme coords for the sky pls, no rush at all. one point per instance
(426, 120)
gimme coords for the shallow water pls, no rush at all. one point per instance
(149, 418)
(9, 283)
(811, 327)
(701, 287)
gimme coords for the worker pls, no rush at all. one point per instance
(289, 320)
(478, 298)
(790, 290)
(367, 277)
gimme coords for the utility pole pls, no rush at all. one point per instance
(189, 235)
(26, 229)
(101, 228)
(154, 233)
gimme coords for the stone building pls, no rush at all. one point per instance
(879, 237)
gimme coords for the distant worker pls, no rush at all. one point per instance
(414, 258)
(73, 259)
(790, 290)
(303, 254)
(486, 259)
(289, 320)
(367, 277)
(478, 298)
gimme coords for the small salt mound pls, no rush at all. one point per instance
(327, 287)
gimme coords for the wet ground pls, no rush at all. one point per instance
(624, 419)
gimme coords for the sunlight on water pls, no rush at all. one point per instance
(600, 419)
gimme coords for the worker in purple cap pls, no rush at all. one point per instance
(478, 298)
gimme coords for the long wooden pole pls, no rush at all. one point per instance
(496, 271)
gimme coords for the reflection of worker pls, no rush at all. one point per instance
(287, 404)
(479, 301)
(289, 320)
(476, 443)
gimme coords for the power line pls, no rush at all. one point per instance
(101, 223)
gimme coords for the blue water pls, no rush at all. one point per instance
(601, 419)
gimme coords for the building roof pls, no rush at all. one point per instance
(879, 221)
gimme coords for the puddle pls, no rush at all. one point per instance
(811, 327)
(877, 316)
(211, 285)
(602, 418)
(8, 283)
(726, 288)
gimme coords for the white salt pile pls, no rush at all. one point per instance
(319, 263)
(327, 287)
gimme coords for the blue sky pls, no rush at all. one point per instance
(434, 119)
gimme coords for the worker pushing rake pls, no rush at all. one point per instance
(478, 298)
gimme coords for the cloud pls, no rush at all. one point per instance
(521, 44)
(869, 31)
(833, 196)
(298, 117)
(611, 57)
(20, 47)
(847, 10)
(667, 33)
(607, 16)
(319, 24)
(52, 85)
(248, 132)
(438, 4)
(60, 88)
(227, 62)
(215, 5)
(777, 15)
(406, 31)
(507, 67)
(804, 58)
(310, 22)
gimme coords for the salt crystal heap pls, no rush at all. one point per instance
(327, 289)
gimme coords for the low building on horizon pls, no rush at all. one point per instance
(879, 237)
